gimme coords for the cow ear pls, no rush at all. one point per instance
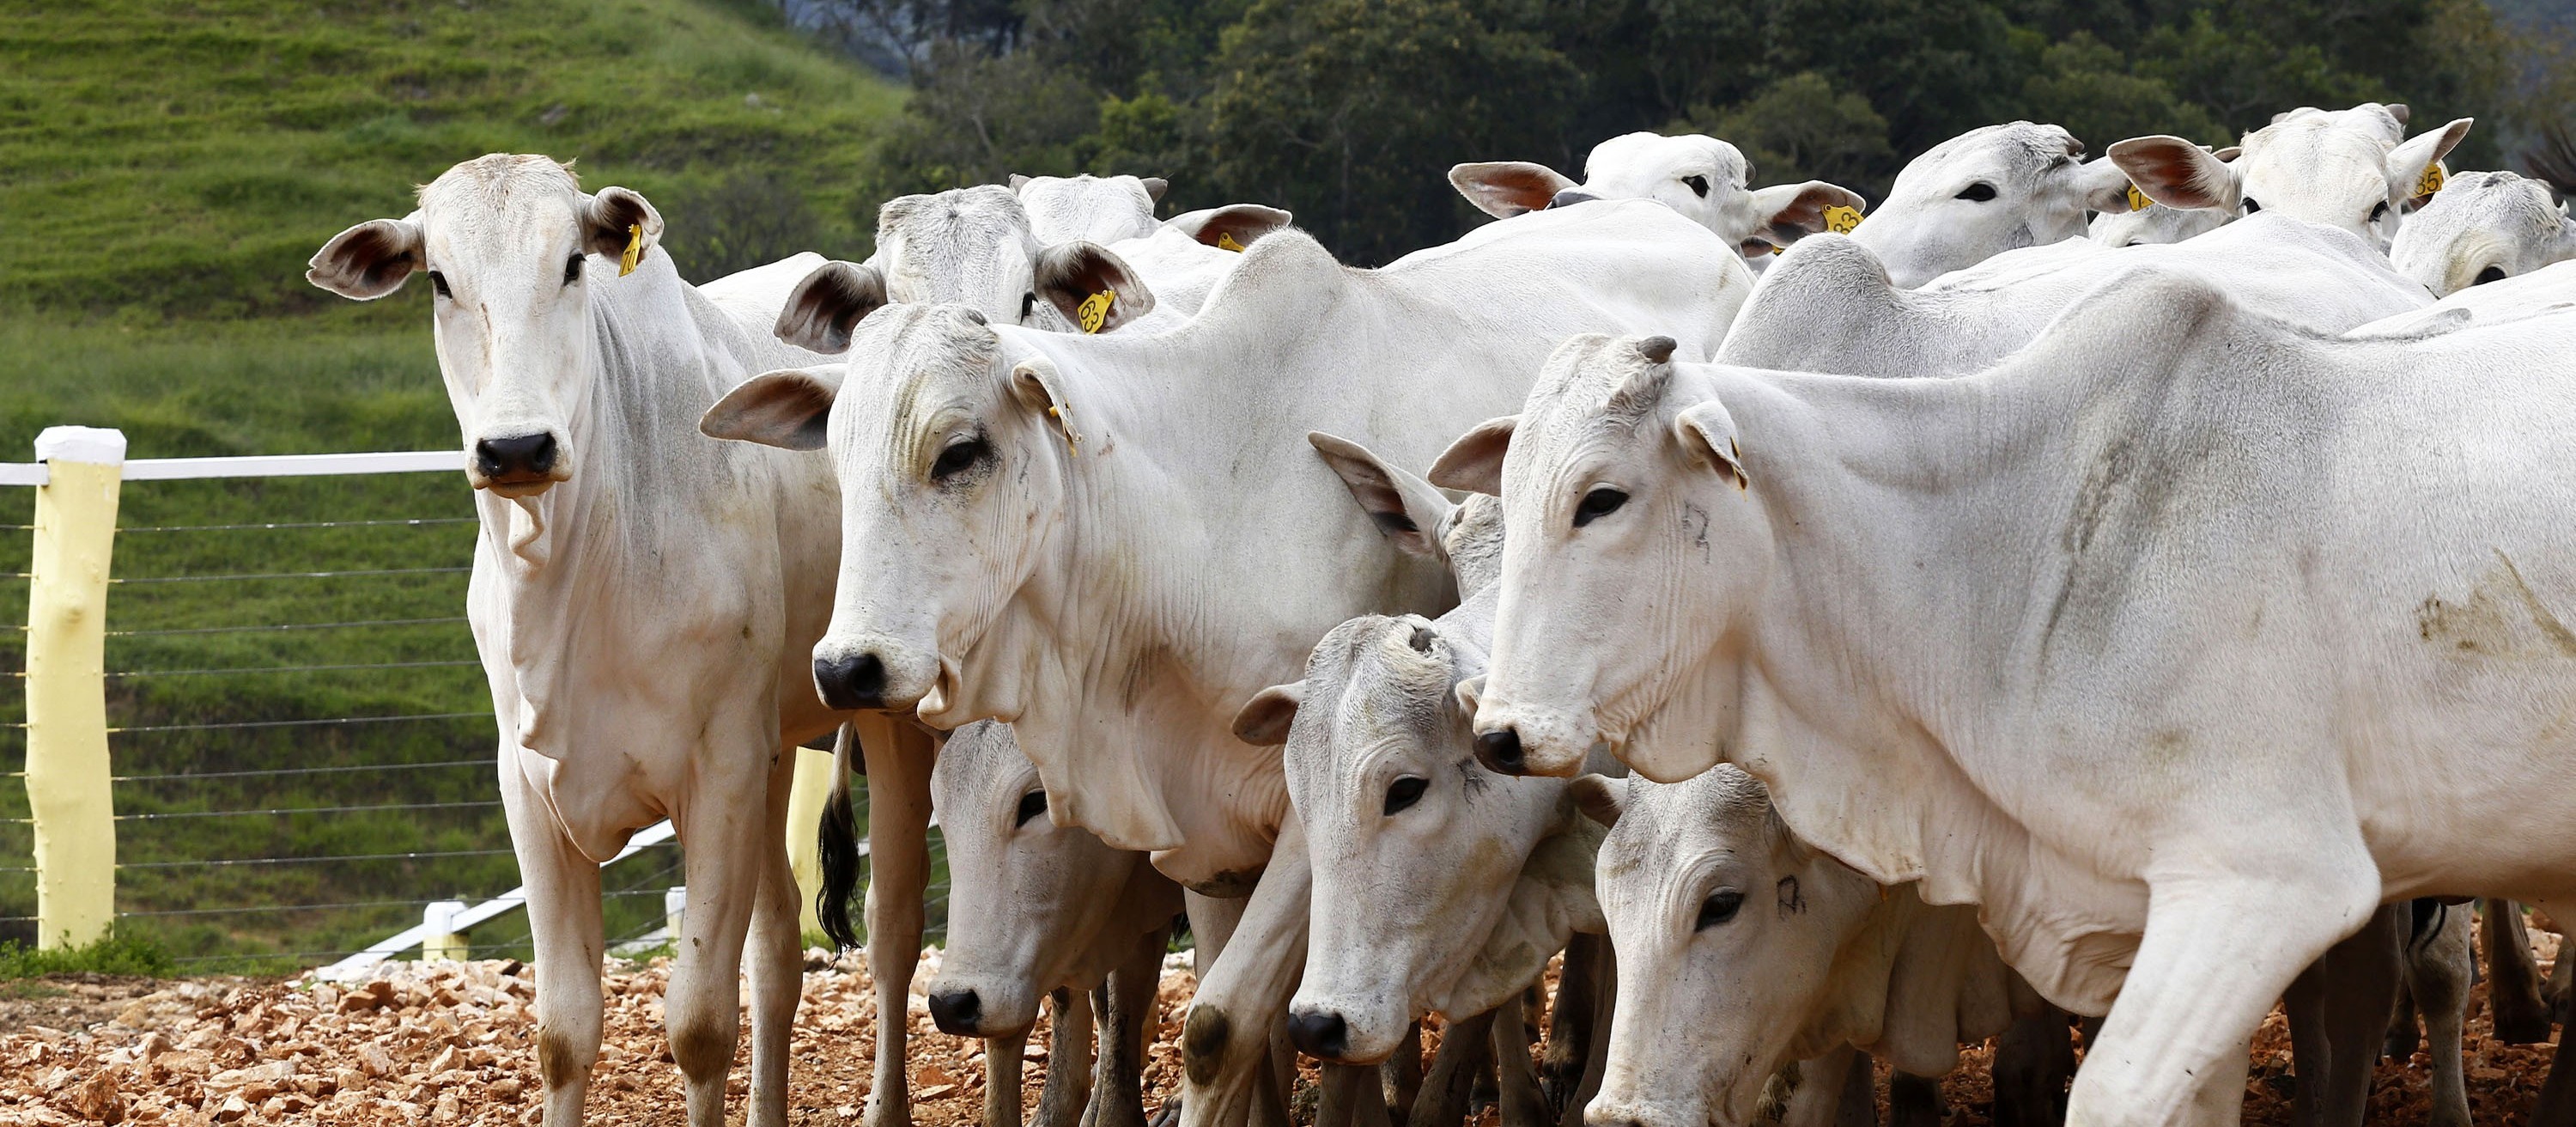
(1018, 182)
(1069, 275)
(617, 220)
(1467, 693)
(789, 409)
(1785, 212)
(369, 260)
(1505, 188)
(1707, 431)
(2104, 186)
(824, 308)
(2177, 173)
(1155, 186)
(1265, 718)
(1406, 509)
(2410, 164)
(1474, 463)
(1040, 387)
(1600, 797)
(1239, 224)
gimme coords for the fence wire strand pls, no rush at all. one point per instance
(391, 522)
(308, 810)
(421, 855)
(172, 633)
(290, 668)
(291, 575)
(370, 767)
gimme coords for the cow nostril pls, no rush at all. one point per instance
(512, 457)
(1500, 750)
(956, 1012)
(1320, 1034)
(851, 682)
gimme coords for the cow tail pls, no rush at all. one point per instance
(838, 841)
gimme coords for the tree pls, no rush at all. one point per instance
(1801, 128)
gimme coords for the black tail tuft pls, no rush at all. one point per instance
(839, 842)
(2429, 916)
(2553, 159)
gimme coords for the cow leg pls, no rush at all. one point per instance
(777, 965)
(1069, 1059)
(1516, 1075)
(899, 757)
(2556, 1106)
(702, 1008)
(1814, 1092)
(1569, 1039)
(1400, 1078)
(1349, 1097)
(1003, 1058)
(1596, 1058)
(1913, 1101)
(2439, 966)
(2513, 976)
(2561, 991)
(568, 937)
(1243, 1001)
(2034, 1061)
(1465, 1048)
(1126, 1007)
(2218, 948)
(1859, 1103)
(2338, 1008)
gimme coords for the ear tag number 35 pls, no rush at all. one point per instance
(1094, 310)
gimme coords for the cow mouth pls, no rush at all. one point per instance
(518, 485)
(943, 699)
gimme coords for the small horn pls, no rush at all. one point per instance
(1657, 350)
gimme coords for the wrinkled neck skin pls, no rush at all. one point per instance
(1140, 630)
(1845, 686)
(656, 516)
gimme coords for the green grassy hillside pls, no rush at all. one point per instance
(165, 170)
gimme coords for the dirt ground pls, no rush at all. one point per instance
(444, 1043)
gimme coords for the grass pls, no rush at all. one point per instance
(166, 168)
(117, 954)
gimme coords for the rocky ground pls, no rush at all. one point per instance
(446, 1043)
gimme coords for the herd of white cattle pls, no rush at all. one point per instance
(2005, 614)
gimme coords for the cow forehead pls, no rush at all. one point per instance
(1365, 684)
(934, 247)
(1099, 208)
(979, 759)
(1640, 159)
(2498, 200)
(1721, 811)
(2017, 152)
(501, 201)
(907, 362)
(1583, 398)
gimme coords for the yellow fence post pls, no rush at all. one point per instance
(805, 800)
(442, 944)
(67, 775)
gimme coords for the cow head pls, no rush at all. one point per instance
(2157, 224)
(1729, 931)
(1698, 176)
(952, 455)
(1102, 209)
(513, 248)
(2353, 169)
(1605, 476)
(1029, 900)
(1984, 192)
(2483, 227)
(978, 247)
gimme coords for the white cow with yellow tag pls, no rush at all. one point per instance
(1106, 540)
(1697, 175)
(2355, 169)
(2483, 227)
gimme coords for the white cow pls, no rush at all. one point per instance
(576, 386)
(1181, 257)
(2483, 227)
(1697, 175)
(2355, 169)
(1743, 950)
(2541, 293)
(1035, 908)
(1989, 190)
(1831, 306)
(1102, 540)
(2114, 640)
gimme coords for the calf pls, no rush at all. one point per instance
(2483, 227)
(576, 360)
(2355, 169)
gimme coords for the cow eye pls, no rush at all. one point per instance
(1032, 804)
(2490, 274)
(2251, 207)
(438, 284)
(959, 457)
(1718, 908)
(1698, 185)
(1978, 192)
(1404, 793)
(1597, 504)
(572, 269)
(2379, 212)
(1028, 304)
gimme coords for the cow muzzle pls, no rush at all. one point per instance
(1319, 1033)
(875, 674)
(1512, 742)
(521, 465)
(958, 1013)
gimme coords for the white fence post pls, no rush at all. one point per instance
(67, 772)
(440, 942)
(675, 900)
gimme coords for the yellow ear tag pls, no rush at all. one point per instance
(1063, 415)
(2138, 200)
(1840, 219)
(1094, 310)
(2432, 181)
(634, 249)
(1225, 241)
